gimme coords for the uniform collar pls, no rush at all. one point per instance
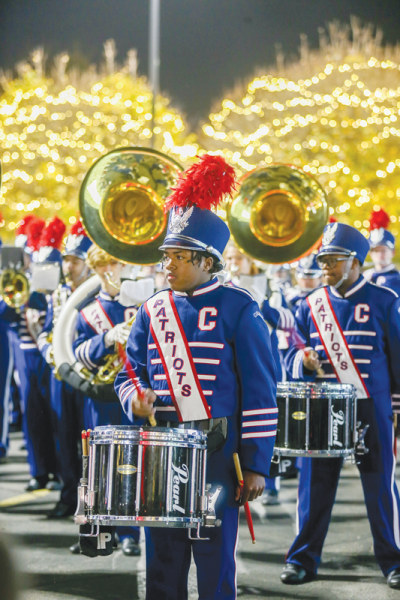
(209, 286)
(352, 289)
(106, 296)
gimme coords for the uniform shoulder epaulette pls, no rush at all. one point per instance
(88, 300)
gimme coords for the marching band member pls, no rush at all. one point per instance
(280, 275)
(66, 402)
(382, 243)
(352, 327)
(278, 318)
(33, 371)
(202, 355)
(101, 324)
(308, 276)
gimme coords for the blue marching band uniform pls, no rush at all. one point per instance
(368, 316)
(67, 403)
(206, 362)
(219, 367)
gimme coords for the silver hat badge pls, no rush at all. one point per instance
(180, 219)
(329, 234)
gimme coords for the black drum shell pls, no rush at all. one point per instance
(315, 418)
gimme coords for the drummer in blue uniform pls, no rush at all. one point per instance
(66, 402)
(308, 277)
(101, 325)
(217, 345)
(352, 328)
(382, 247)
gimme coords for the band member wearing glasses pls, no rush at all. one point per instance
(351, 328)
(220, 377)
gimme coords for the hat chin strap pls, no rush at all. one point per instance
(346, 272)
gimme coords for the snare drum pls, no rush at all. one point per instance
(146, 476)
(316, 419)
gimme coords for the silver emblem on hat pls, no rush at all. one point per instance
(329, 234)
(73, 242)
(377, 235)
(180, 219)
(306, 262)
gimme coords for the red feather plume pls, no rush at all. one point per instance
(53, 233)
(204, 184)
(78, 228)
(34, 231)
(379, 218)
(332, 220)
(23, 225)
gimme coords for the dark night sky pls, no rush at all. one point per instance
(206, 45)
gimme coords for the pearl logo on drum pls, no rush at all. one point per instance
(337, 421)
(299, 415)
(126, 469)
(181, 476)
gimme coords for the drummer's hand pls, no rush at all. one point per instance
(254, 485)
(143, 407)
(311, 360)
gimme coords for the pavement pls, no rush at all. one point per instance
(47, 570)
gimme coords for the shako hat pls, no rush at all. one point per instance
(339, 238)
(308, 267)
(192, 224)
(77, 243)
(379, 235)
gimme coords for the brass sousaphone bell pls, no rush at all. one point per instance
(122, 202)
(278, 214)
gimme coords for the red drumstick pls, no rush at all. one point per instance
(246, 506)
(133, 377)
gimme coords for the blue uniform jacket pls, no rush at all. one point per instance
(94, 320)
(233, 359)
(370, 320)
(26, 332)
(388, 277)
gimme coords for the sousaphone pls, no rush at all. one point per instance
(278, 214)
(122, 208)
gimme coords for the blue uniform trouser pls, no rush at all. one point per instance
(168, 551)
(34, 376)
(67, 412)
(109, 413)
(319, 478)
(7, 365)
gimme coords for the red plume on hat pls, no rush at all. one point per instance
(53, 233)
(78, 228)
(204, 184)
(379, 218)
(33, 232)
(23, 225)
(332, 220)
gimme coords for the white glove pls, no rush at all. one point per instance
(118, 334)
